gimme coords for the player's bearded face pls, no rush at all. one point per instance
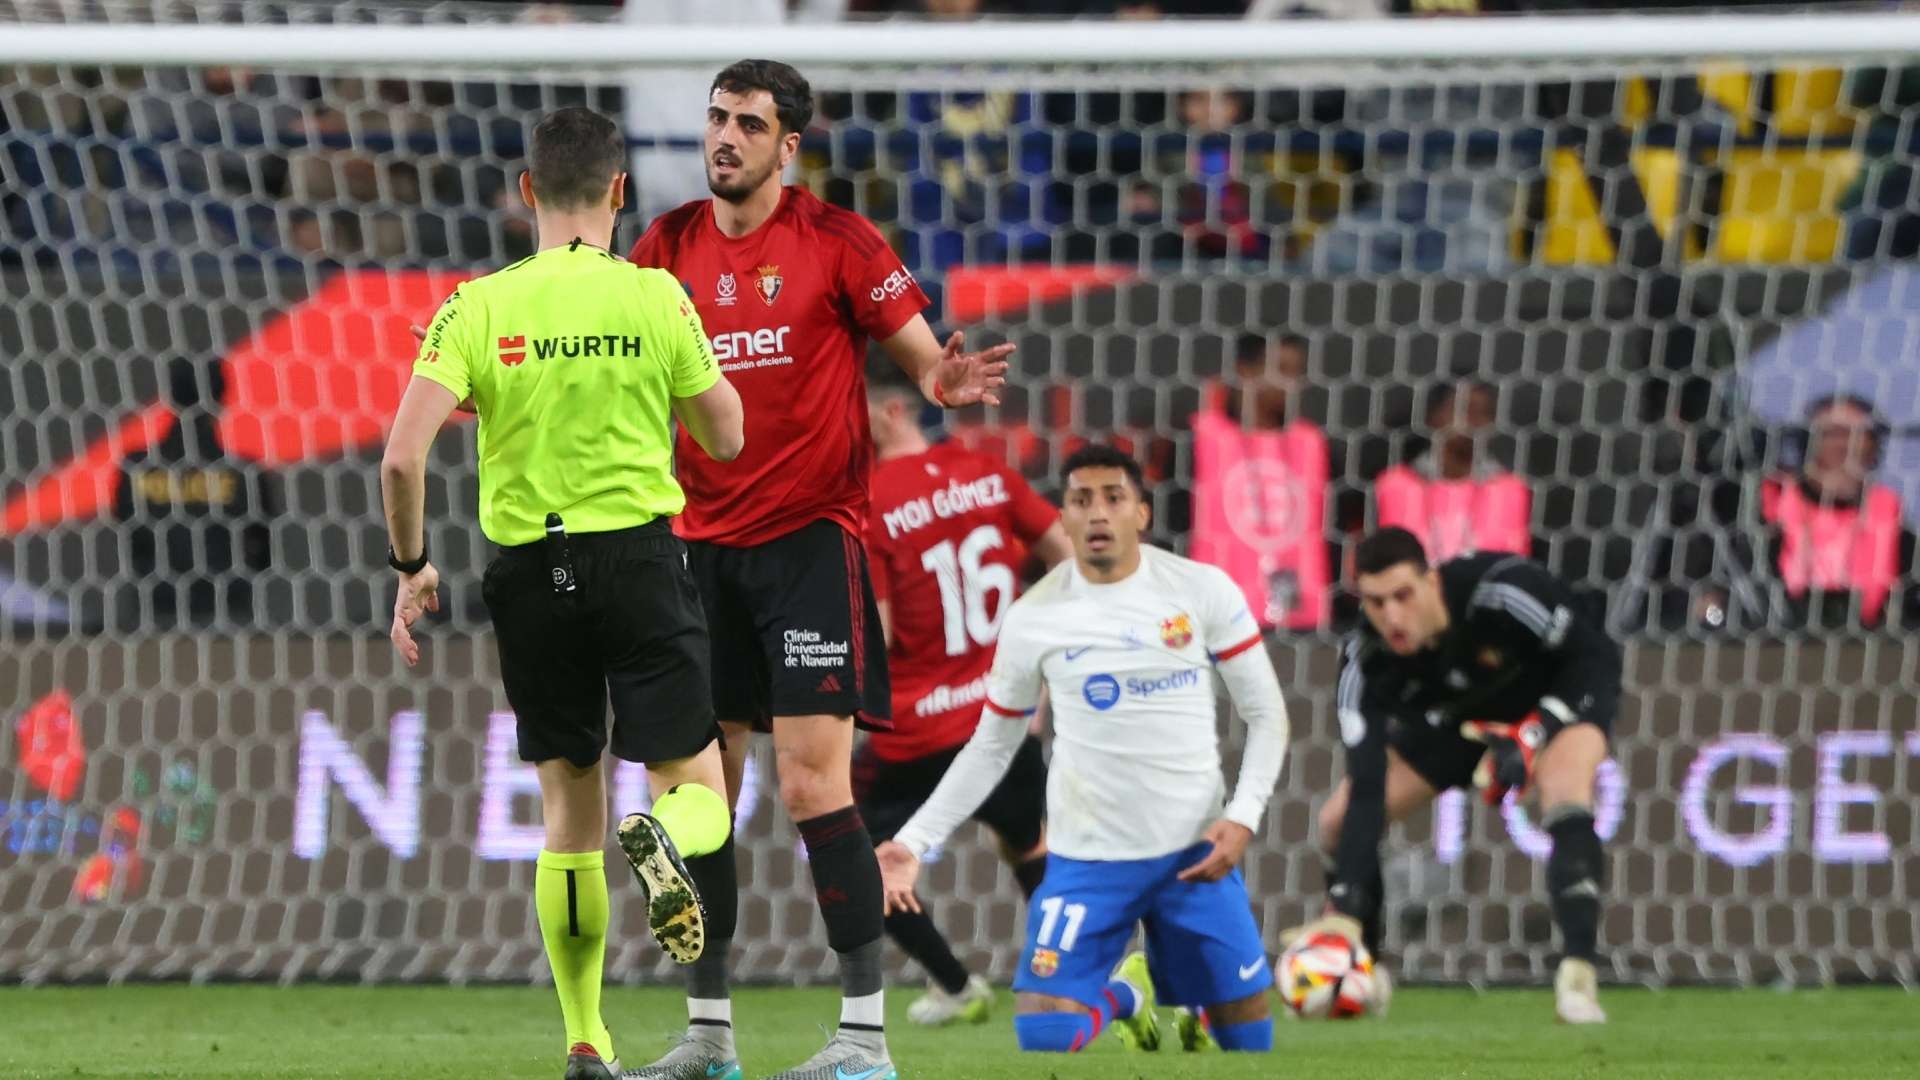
(1404, 605)
(744, 145)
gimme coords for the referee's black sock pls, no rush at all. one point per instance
(1576, 870)
(718, 878)
(916, 935)
(846, 882)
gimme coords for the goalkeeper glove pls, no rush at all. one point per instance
(1508, 763)
(1341, 926)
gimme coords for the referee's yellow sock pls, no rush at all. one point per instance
(695, 817)
(570, 896)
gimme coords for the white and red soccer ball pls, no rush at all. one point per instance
(1323, 976)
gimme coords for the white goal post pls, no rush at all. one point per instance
(1016, 44)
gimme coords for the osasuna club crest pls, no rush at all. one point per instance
(769, 283)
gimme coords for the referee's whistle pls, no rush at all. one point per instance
(559, 559)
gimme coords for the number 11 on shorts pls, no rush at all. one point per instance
(1050, 910)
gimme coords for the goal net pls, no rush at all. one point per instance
(1553, 288)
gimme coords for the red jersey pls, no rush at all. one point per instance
(789, 307)
(945, 539)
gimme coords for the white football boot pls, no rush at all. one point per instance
(937, 1008)
(1576, 993)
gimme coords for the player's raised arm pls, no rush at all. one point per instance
(949, 376)
(885, 302)
(1241, 658)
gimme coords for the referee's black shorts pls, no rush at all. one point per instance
(632, 632)
(796, 630)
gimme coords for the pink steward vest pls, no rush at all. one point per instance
(1259, 513)
(1456, 517)
(1836, 548)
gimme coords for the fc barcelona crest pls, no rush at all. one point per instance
(769, 284)
(1045, 962)
(1177, 632)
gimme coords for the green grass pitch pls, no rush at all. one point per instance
(429, 1033)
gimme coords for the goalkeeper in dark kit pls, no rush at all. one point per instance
(1484, 670)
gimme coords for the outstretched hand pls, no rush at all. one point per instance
(967, 378)
(899, 870)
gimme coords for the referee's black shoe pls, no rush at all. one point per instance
(674, 912)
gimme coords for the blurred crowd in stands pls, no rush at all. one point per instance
(1268, 464)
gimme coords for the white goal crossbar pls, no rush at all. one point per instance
(1026, 44)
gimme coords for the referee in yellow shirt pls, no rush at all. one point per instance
(577, 362)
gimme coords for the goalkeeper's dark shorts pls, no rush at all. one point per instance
(632, 633)
(889, 793)
(1446, 759)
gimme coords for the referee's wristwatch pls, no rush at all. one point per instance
(408, 566)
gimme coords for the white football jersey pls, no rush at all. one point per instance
(1128, 669)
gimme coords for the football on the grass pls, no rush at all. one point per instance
(1325, 977)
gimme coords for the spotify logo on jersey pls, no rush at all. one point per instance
(1101, 691)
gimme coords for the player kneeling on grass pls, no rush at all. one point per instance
(1126, 639)
(1482, 670)
(590, 597)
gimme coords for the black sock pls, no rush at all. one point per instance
(718, 878)
(846, 882)
(1372, 925)
(1576, 870)
(1029, 873)
(916, 935)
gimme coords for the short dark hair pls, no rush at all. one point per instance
(1102, 456)
(1254, 347)
(1828, 401)
(1388, 548)
(792, 95)
(1877, 427)
(886, 381)
(575, 153)
(1447, 391)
